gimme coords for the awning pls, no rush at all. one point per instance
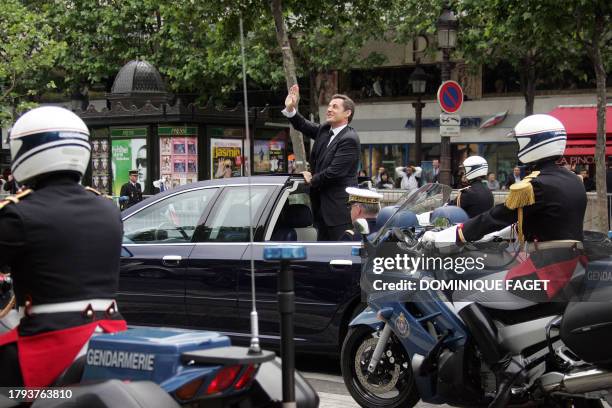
(585, 151)
(581, 120)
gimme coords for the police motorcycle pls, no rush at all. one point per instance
(410, 345)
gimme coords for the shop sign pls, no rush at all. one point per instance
(576, 160)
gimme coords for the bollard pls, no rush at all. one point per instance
(286, 306)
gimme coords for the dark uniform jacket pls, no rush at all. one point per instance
(62, 243)
(352, 235)
(475, 199)
(333, 169)
(133, 192)
(558, 212)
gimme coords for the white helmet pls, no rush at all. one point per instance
(475, 166)
(48, 139)
(540, 137)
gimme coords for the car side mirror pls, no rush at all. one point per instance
(361, 226)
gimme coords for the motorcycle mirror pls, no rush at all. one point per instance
(361, 226)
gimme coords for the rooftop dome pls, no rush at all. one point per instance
(138, 77)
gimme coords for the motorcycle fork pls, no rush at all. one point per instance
(380, 347)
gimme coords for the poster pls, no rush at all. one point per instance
(226, 158)
(100, 173)
(269, 156)
(178, 150)
(128, 154)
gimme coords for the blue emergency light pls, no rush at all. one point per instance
(284, 253)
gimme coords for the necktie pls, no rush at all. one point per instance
(331, 136)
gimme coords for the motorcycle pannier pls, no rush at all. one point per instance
(587, 330)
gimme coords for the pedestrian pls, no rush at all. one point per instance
(476, 198)
(11, 185)
(62, 243)
(586, 180)
(436, 171)
(385, 182)
(515, 177)
(131, 192)
(548, 208)
(380, 171)
(363, 203)
(409, 176)
(334, 160)
(492, 183)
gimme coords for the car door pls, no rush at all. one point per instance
(325, 283)
(217, 257)
(157, 242)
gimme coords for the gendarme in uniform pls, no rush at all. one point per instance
(131, 192)
(62, 243)
(363, 203)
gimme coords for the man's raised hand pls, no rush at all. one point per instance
(293, 98)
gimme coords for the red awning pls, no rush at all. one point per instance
(581, 121)
(585, 151)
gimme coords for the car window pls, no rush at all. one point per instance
(229, 219)
(171, 220)
(295, 221)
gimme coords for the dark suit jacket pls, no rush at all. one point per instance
(511, 180)
(333, 169)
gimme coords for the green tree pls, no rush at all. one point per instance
(511, 31)
(585, 26)
(27, 54)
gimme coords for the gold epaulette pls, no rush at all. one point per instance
(521, 195)
(14, 198)
(96, 192)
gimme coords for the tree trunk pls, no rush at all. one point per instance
(290, 76)
(528, 84)
(314, 95)
(602, 219)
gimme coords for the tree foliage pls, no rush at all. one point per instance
(27, 54)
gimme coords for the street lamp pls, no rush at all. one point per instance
(418, 82)
(447, 40)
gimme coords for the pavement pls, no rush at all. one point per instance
(324, 375)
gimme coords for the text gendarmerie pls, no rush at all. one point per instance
(121, 359)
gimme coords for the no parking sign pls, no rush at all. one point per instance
(450, 96)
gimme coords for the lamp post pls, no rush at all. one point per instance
(418, 82)
(447, 41)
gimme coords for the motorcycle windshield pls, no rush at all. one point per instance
(419, 202)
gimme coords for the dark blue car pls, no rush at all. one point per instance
(187, 262)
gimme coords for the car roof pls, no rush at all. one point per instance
(272, 179)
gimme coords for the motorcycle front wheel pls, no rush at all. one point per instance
(391, 385)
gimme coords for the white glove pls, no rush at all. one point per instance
(441, 239)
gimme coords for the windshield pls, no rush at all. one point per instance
(420, 201)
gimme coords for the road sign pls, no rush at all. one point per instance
(450, 120)
(450, 96)
(450, 130)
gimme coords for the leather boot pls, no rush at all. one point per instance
(507, 369)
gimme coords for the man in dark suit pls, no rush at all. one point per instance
(131, 192)
(334, 160)
(515, 177)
